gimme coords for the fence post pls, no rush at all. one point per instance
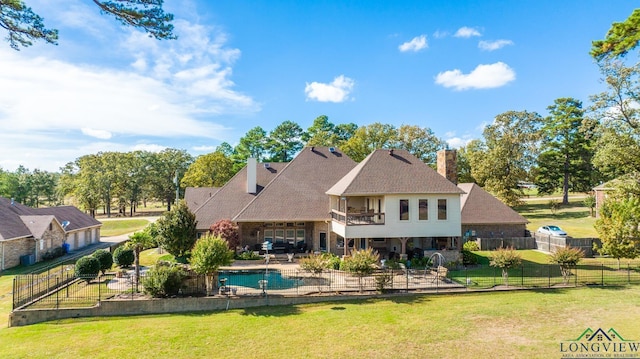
(57, 293)
(602, 273)
(13, 302)
(549, 272)
(628, 274)
(99, 287)
(575, 279)
(522, 275)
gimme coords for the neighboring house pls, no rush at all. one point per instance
(31, 232)
(602, 191)
(485, 216)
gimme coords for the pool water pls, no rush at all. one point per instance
(251, 279)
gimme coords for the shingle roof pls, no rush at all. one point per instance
(298, 192)
(231, 198)
(195, 197)
(392, 172)
(13, 214)
(480, 207)
(37, 224)
(76, 218)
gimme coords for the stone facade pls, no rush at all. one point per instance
(12, 250)
(447, 165)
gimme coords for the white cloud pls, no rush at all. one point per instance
(101, 134)
(482, 77)
(416, 44)
(204, 148)
(458, 142)
(148, 147)
(467, 32)
(440, 34)
(169, 90)
(494, 45)
(336, 91)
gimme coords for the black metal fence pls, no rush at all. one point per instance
(62, 288)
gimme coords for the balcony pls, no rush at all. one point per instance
(358, 218)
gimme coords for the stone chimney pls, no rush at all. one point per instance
(252, 181)
(447, 167)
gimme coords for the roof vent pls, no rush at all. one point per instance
(266, 165)
(332, 149)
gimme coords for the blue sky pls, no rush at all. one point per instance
(451, 66)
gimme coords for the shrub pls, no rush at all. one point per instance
(249, 256)
(210, 253)
(505, 258)
(333, 261)
(315, 264)
(419, 262)
(469, 258)
(87, 268)
(471, 246)
(566, 257)
(123, 256)
(361, 262)
(164, 281)
(105, 259)
(53, 253)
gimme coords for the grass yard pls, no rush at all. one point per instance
(522, 324)
(116, 227)
(574, 218)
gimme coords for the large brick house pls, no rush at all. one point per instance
(324, 201)
(32, 232)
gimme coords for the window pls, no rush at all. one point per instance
(423, 209)
(268, 235)
(291, 233)
(442, 209)
(279, 235)
(404, 209)
(300, 235)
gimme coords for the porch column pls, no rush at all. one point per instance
(403, 247)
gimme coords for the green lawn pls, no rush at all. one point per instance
(574, 218)
(118, 227)
(522, 324)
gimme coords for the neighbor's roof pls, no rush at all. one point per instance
(392, 172)
(616, 182)
(17, 220)
(195, 197)
(480, 207)
(298, 193)
(231, 198)
(76, 218)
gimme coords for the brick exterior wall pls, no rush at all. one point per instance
(16, 248)
(496, 230)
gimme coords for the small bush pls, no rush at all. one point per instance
(87, 268)
(164, 281)
(105, 259)
(419, 262)
(471, 246)
(53, 253)
(566, 257)
(469, 258)
(505, 259)
(249, 256)
(333, 261)
(123, 256)
(314, 264)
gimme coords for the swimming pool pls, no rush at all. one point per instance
(251, 279)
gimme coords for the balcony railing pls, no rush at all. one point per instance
(357, 219)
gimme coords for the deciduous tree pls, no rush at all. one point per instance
(506, 155)
(210, 170)
(209, 254)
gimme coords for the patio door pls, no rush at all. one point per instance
(323, 241)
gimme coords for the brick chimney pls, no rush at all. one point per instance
(446, 162)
